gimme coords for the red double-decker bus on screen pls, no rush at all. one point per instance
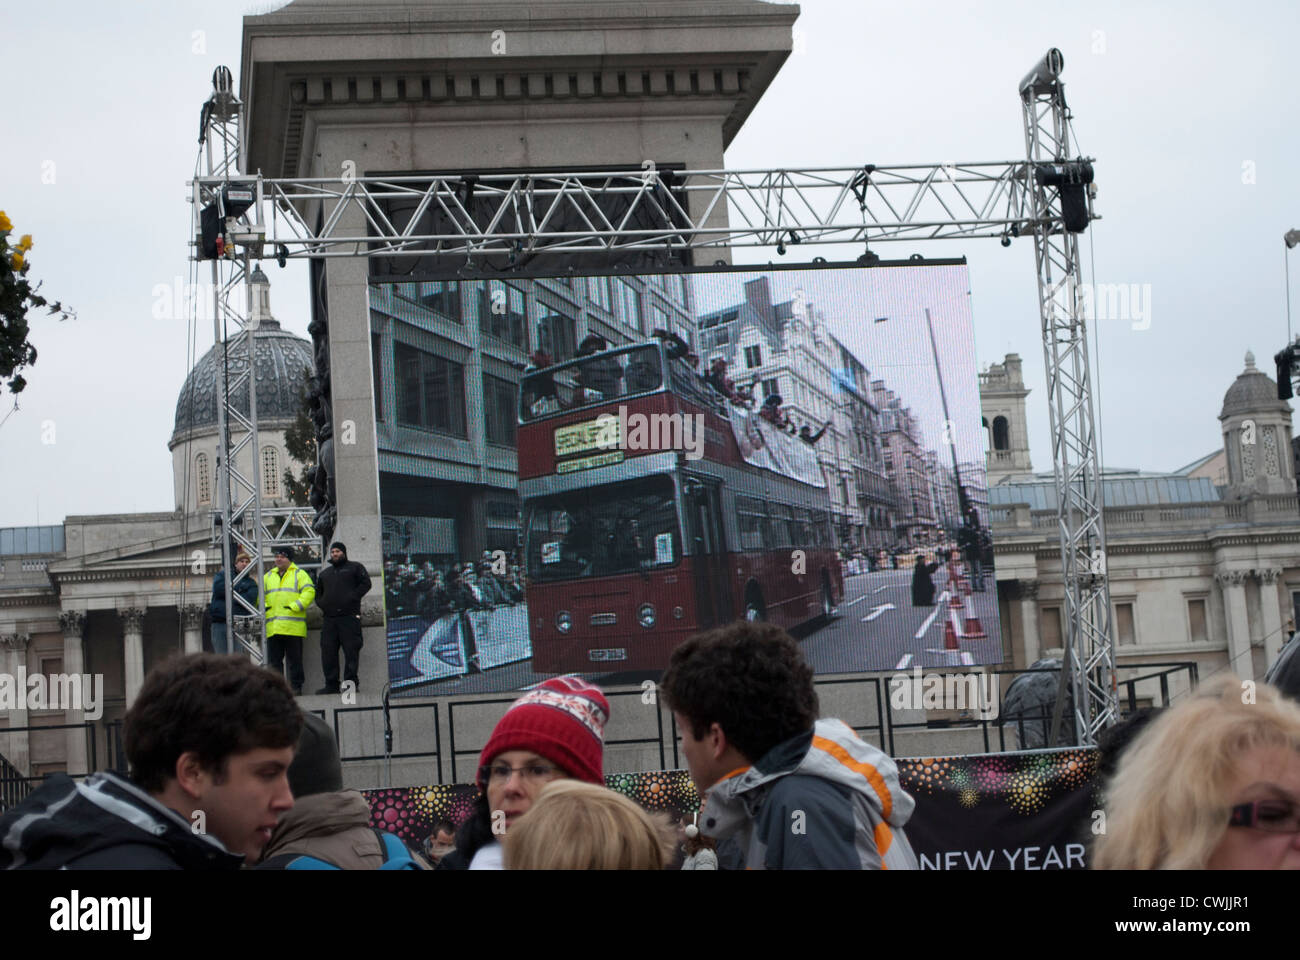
(654, 508)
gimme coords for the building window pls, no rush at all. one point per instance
(1196, 620)
(430, 391)
(1000, 441)
(501, 313)
(270, 472)
(442, 296)
(1049, 620)
(753, 357)
(202, 478)
(1124, 632)
(631, 304)
(377, 370)
(556, 333)
(598, 293)
(500, 409)
(770, 387)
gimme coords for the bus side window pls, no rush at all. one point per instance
(749, 517)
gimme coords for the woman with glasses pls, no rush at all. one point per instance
(553, 732)
(1212, 783)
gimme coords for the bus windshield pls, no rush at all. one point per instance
(617, 528)
(596, 379)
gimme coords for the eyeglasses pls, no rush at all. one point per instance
(1272, 816)
(501, 773)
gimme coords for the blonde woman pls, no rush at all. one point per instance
(580, 826)
(1213, 783)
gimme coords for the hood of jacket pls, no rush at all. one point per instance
(319, 814)
(65, 820)
(831, 751)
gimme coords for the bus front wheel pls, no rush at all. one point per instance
(754, 611)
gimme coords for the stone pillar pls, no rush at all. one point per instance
(192, 619)
(16, 746)
(1031, 641)
(73, 624)
(1233, 585)
(1270, 606)
(133, 651)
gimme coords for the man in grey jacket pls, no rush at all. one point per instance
(790, 790)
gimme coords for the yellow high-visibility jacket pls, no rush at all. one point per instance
(287, 600)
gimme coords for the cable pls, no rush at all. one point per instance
(10, 413)
(1286, 281)
(191, 337)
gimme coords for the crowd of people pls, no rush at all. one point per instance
(1212, 781)
(430, 591)
(215, 735)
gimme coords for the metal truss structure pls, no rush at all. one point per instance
(239, 496)
(1089, 662)
(511, 216)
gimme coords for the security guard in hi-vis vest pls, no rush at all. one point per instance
(289, 592)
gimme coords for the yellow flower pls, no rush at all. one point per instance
(5, 224)
(18, 261)
(25, 243)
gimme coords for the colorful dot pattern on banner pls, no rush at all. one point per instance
(1025, 784)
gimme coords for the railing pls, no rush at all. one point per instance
(457, 752)
(1035, 724)
(15, 785)
(1271, 509)
(878, 721)
(425, 708)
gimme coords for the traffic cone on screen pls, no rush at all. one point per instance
(950, 632)
(974, 629)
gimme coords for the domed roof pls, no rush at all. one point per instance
(282, 362)
(1252, 392)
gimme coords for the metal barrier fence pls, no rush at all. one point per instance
(1035, 724)
(15, 785)
(657, 740)
(1032, 725)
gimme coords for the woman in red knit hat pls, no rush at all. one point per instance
(554, 731)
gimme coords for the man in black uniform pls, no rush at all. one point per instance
(339, 589)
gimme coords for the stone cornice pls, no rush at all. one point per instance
(325, 56)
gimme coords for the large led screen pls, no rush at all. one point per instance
(577, 473)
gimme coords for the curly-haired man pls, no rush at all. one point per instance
(792, 791)
(209, 741)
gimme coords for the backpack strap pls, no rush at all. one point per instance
(396, 855)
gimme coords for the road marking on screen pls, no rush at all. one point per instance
(938, 605)
(856, 600)
(884, 607)
(885, 587)
(905, 662)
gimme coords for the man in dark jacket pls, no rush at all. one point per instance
(339, 589)
(792, 791)
(326, 822)
(209, 741)
(246, 588)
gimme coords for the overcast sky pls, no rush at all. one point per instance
(1188, 108)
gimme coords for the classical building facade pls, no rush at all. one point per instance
(1199, 571)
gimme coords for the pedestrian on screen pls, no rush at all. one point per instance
(922, 584)
(743, 698)
(341, 586)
